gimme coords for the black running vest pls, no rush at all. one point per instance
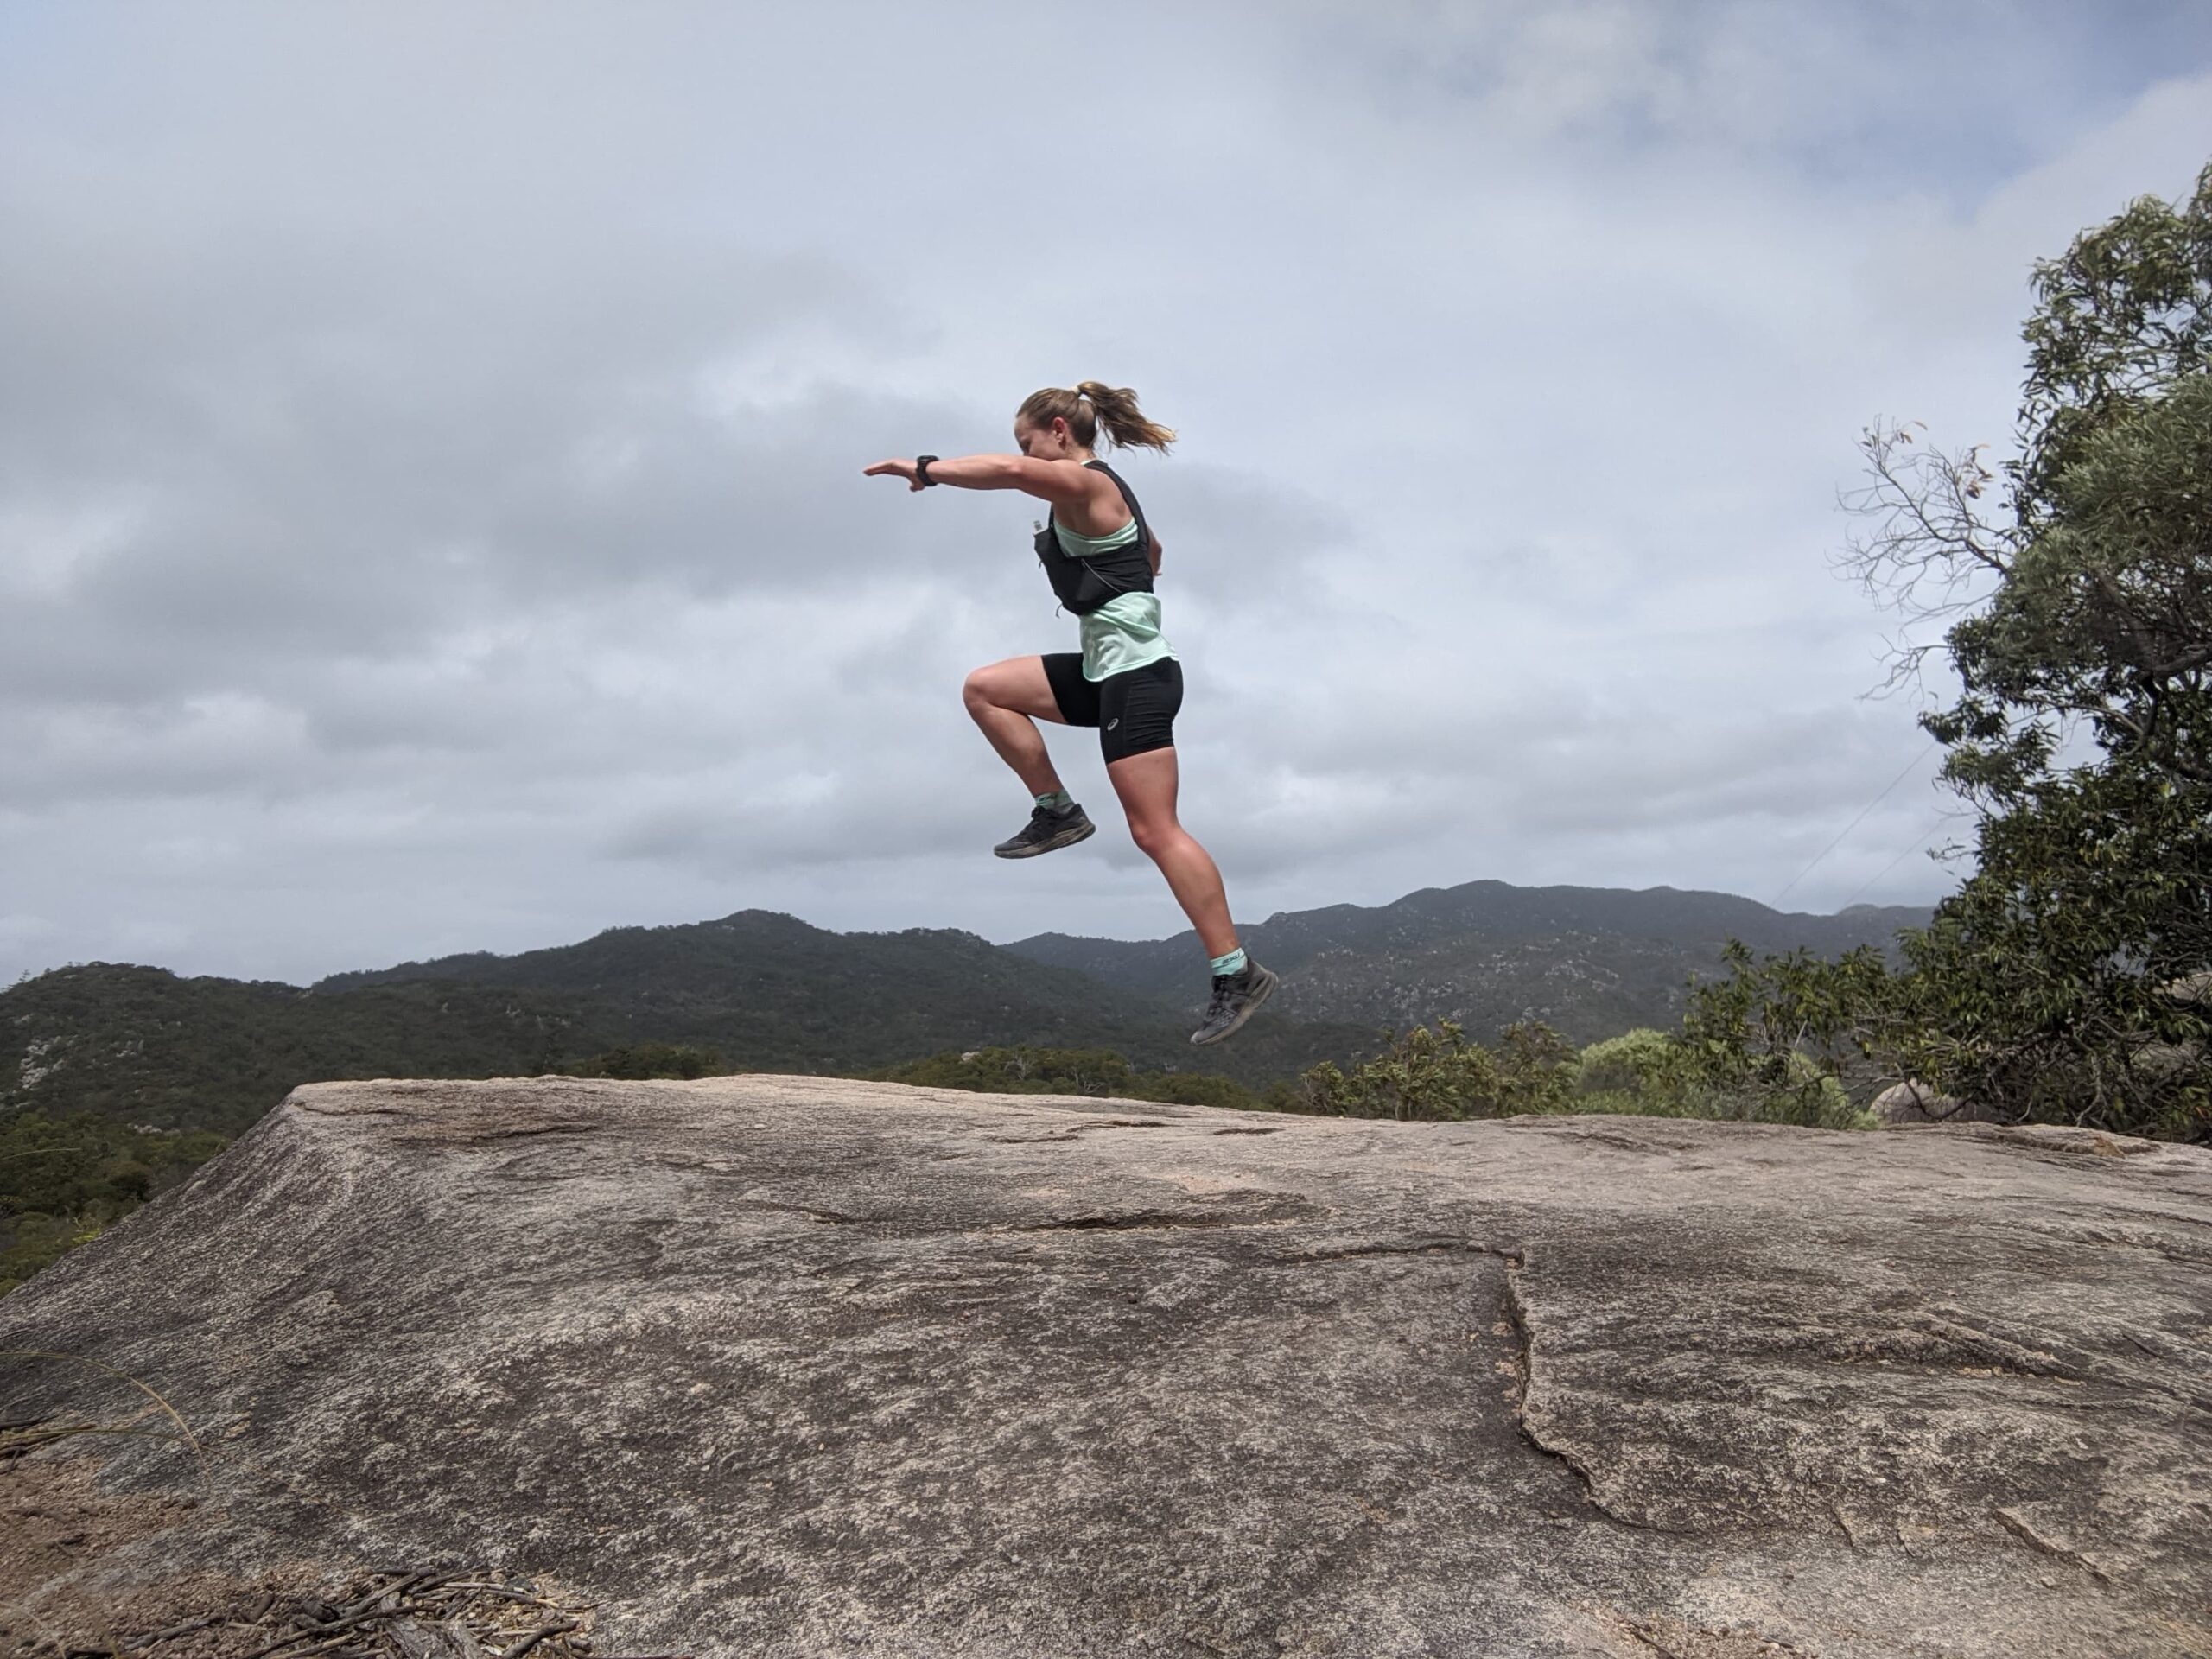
(1084, 584)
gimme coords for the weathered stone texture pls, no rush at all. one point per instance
(787, 1366)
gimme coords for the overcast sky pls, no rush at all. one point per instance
(430, 509)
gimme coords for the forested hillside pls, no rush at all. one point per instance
(769, 990)
(1590, 962)
(764, 992)
(141, 1046)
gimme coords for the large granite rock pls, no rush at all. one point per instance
(787, 1366)
(1913, 1102)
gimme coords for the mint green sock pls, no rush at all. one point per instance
(1058, 801)
(1231, 963)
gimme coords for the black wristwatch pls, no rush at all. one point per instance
(922, 471)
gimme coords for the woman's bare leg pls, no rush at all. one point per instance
(1006, 700)
(1147, 784)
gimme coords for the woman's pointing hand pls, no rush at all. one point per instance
(904, 469)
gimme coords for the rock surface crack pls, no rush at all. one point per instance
(2018, 1525)
(1516, 1313)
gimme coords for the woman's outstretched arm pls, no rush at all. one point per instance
(1064, 483)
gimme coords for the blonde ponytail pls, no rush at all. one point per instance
(1092, 408)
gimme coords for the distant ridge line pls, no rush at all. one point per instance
(1590, 961)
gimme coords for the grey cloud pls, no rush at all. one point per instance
(430, 509)
(1867, 93)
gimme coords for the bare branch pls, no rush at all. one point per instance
(1932, 555)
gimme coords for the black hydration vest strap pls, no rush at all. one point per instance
(1136, 511)
(1082, 585)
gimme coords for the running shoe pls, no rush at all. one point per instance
(1236, 997)
(1047, 830)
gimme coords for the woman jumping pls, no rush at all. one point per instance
(1101, 557)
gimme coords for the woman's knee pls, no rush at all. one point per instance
(1019, 685)
(1154, 836)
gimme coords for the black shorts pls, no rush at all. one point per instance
(1133, 710)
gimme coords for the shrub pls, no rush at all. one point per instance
(1439, 1077)
(637, 1062)
(1632, 1062)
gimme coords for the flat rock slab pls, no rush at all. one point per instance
(782, 1366)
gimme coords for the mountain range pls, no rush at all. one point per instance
(1592, 961)
(770, 992)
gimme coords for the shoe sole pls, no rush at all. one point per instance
(1267, 988)
(1065, 838)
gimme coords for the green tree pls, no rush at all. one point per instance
(2065, 980)
(1794, 1039)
